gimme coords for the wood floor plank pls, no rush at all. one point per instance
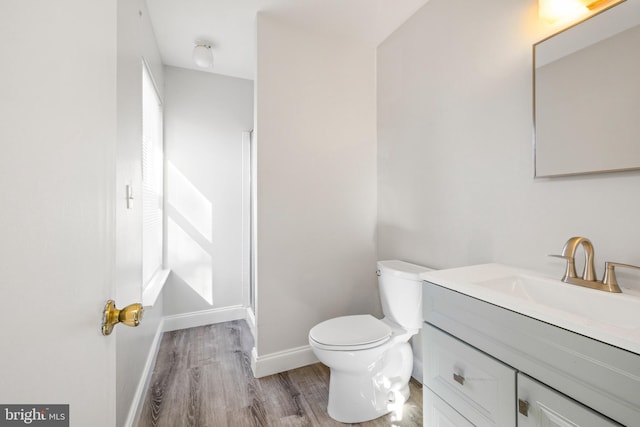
(249, 416)
(212, 412)
(282, 395)
(203, 378)
(314, 386)
(174, 401)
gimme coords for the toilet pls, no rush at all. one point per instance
(370, 359)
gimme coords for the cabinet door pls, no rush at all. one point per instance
(437, 413)
(476, 385)
(541, 406)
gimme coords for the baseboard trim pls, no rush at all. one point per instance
(251, 321)
(298, 357)
(417, 370)
(281, 361)
(203, 318)
(138, 398)
(262, 366)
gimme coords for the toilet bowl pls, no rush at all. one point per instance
(370, 359)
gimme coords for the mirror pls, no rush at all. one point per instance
(587, 95)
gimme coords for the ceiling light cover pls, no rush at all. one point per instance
(202, 55)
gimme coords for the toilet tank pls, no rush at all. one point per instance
(400, 289)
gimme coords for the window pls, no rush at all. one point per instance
(153, 272)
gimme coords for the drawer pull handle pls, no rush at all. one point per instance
(523, 407)
(458, 378)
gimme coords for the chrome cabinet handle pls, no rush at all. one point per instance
(458, 378)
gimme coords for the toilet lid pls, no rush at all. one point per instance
(350, 331)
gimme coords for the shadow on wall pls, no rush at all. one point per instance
(189, 219)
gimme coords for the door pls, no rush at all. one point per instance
(57, 175)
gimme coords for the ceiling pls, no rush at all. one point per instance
(230, 26)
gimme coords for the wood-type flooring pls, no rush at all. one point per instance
(203, 378)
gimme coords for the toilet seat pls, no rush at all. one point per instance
(349, 333)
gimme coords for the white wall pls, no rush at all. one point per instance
(135, 42)
(455, 161)
(315, 101)
(205, 115)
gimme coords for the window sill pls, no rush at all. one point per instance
(152, 290)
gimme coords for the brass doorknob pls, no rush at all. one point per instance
(131, 315)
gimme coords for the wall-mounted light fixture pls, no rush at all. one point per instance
(559, 10)
(202, 55)
(554, 11)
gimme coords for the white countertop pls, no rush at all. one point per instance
(611, 318)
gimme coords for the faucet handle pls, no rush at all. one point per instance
(570, 272)
(559, 256)
(609, 278)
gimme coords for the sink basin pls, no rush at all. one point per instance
(592, 305)
(607, 317)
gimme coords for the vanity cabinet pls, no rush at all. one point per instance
(485, 365)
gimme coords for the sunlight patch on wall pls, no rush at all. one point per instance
(187, 259)
(189, 201)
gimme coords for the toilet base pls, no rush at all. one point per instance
(372, 402)
(363, 396)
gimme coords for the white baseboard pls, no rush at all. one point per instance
(281, 361)
(205, 317)
(143, 385)
(417, 370)
(298, 357)
(251, 321)
(262, 366)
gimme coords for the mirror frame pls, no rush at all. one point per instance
(535, 141)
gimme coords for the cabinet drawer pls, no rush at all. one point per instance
(478, 386)
(539, 405)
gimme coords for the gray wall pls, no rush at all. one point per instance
(205, 115)
(315, 103)
(455, 162)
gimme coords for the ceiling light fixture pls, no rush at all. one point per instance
(202, 55)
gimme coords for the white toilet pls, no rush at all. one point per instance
(370, 359)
